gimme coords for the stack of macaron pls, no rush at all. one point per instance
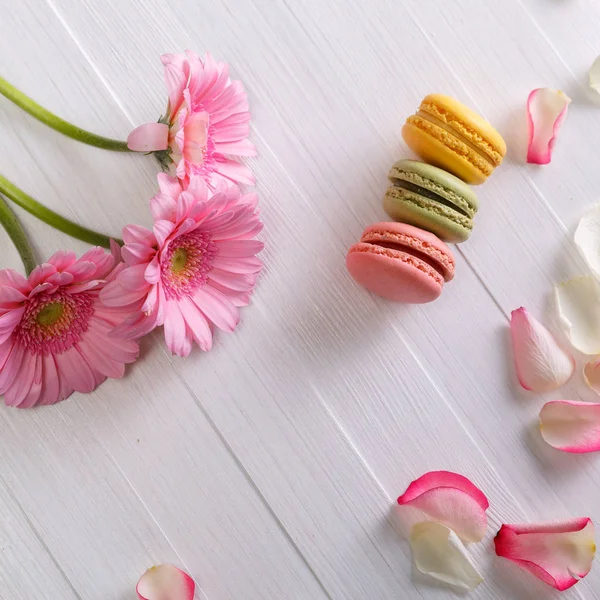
(408, 260)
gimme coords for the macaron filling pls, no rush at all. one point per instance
(427, 188)
(410, 249)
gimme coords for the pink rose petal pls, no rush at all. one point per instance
(559, 554)
(546, 110)
(149, 137)
(541, 364)
(451, 500)
(165, 582)
(571, 426)
(591, 374)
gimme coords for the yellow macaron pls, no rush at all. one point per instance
(449, 135)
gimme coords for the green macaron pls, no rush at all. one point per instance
(432, 199)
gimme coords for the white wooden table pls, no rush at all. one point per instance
(268, 467)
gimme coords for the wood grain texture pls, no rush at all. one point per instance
(268, 467)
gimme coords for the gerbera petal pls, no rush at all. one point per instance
(82, 270)
(132, 278)
(239, 248)
(541, 364)
(135, 254)
(571, 426)
(62, 259)
(578, 301)
(246, 265)
(9, 320)
(152, 271)
(10, 370)
(560, 553)
(238, 298)
(50, 382)
(150, 137)
(217, 307)
(10, 298)
(101, 360)
(165, 582)
(75, 371)
(198, 188)
(452, 500)
(32, 397)
(197, 323)
(546, 110)
(163, 207)
(438, 552)
(587, 238)
(233, 171)
(138, 234)
(196, 137)
(175, 331)
(13, 279)
(40, 274)
(21, 384)
(162, 229)
(185, 202)
(239, 148)
(233, 281)
(176, 73)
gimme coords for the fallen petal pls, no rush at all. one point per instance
(591, 374)
(149, 137)
(452, 500)
(541, 364)
(578, 302)
(594, 75)
(165, 582)
(571, 426)
(439, 553)
(546, 110)
(587, 238)
(559, 553)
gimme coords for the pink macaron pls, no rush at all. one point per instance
(401, 262)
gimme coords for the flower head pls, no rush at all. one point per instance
(54, 330)
(196, 267)
(207, 121)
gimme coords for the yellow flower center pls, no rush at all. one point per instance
(179, 260)
(50, 314)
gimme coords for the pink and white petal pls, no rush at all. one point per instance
(451, 500)
(115, 295)
(587, 239)
(541, 364)
(438, 552)
(571, 426)
(138, 234)
(239, 248)
(132, 278)
(242, 266)
(101, 361)
(150, 137)
(82, 270)
(8, 321)
(176, 73)
(591, 375)
(185, 203)
(152, 271)
(196, 137)
(60, 279)
(578, 301)
(197, 187)
(546, 110)
(163, 207)
(559, 554)
(175, 330)
(197, 323)
(168, 185)
(237, 298)
(217, 307)
(62, 259)
(165, 582)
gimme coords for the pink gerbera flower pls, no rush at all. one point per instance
(54, 330)
(207, 121)
(195, 268)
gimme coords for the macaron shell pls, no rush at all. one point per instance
(391, 278)
(407, 207)
(436, 180)
(442, 149)
(469, 123)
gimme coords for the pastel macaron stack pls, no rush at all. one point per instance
(430, 202)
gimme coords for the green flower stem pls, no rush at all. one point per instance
(50, 119)
(17, 235)
(38, 210)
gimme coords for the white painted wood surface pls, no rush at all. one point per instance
(268, 467)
